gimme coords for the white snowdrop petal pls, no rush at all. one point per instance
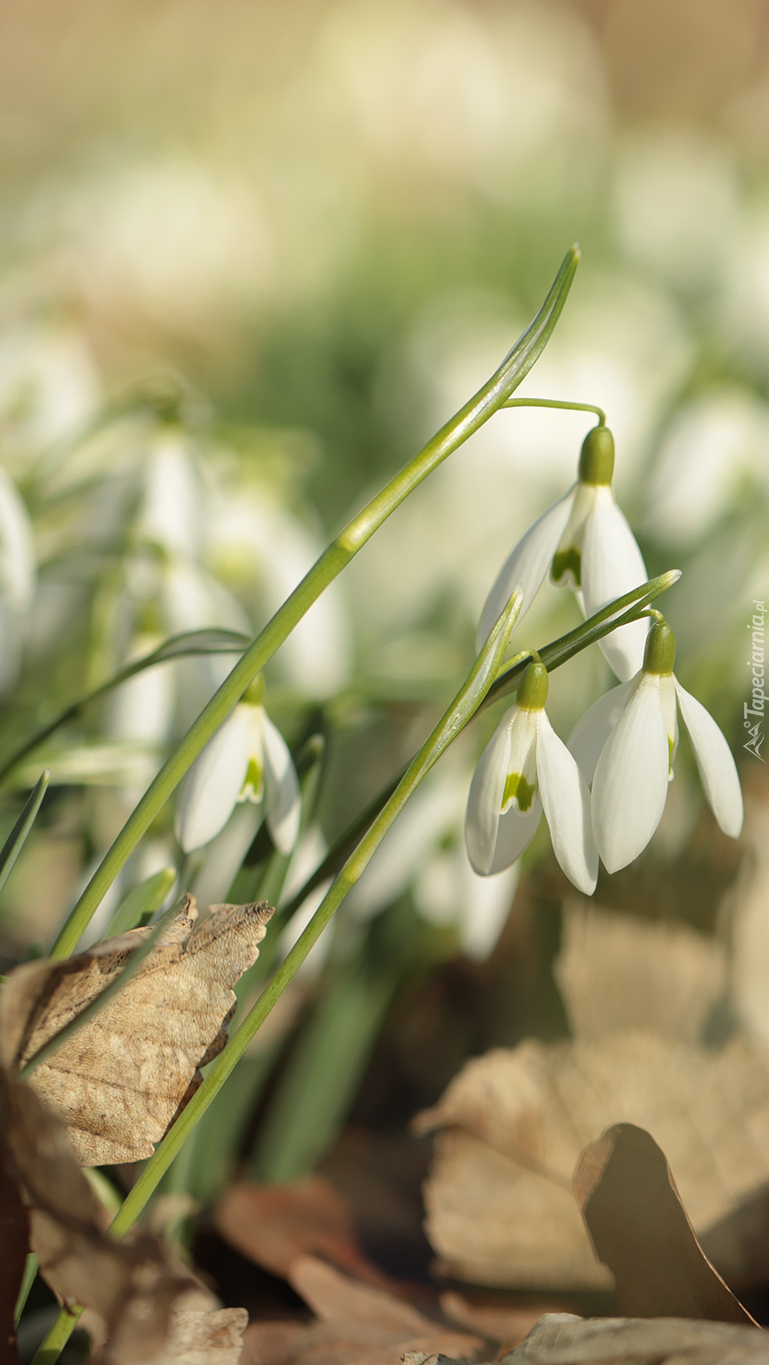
(484, 802)
(17, 551)
(211, 788)
(591, 732)
(718, 770)
(527, 564)
(514, 834)
(566, 803)
(631, 778)
(284, 805)
(612, 564)
(484, 908)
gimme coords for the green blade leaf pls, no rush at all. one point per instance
(18, 835)
(141, 903)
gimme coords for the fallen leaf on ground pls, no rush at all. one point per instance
(640, 1230)
(334, 1297)
(274, 1224)
(562, 1339)
(130, 1286)
(208, 1338)
(355, 1323)
(617, 972)
(506, 1325)
(120, 1080)
(500, 1207)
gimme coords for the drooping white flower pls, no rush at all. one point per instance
(585, 541)
(246, 760)
(626, 745)
(524, 769)
(17, 578)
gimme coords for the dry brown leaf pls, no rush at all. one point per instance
(274, 1224)
(617, 972)
(506, 1325)
(203, 1338)
(562, 1339)
(356, 1323)
(118, 1083)
(334, 1297)
(500, 1208)
(130, 1287)
(746, 911)
(640, 1230)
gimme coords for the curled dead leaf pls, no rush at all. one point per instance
(131, 1288)
(500, 1208)
(641, 1231)
(120, 1080)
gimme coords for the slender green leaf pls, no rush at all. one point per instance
(18, 835)
(141, 903)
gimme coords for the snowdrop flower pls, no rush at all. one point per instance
(586, 542)
(626, 745)
(246, 760)
(17, 578)
(524, 768)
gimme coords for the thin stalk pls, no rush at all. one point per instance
(334, 559)
(557, 403)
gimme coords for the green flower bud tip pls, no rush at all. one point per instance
(596, 461)
(517, 786)
(532, 689)
(254, 693)
(660, 652)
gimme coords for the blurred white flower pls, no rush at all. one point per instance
(17, 578)
(246, 760)
(712, 449)
(172, 509)
(584, 540)
(524, 768)
(254, 543)
(424, 850)
(626, 745)
(49, 388)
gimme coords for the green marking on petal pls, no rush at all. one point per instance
(567, 561)
(518, 789)
(252, 787)
(671, 755)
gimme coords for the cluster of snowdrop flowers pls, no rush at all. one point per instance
(246, 760)
(624, 747)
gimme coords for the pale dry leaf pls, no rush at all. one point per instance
(203, 1338)
(500, 1208)
(131, 1287)
(335, 1297)
(617, 972)
(120, 1080)
(505, 1324)
(274, 1224)
(745, 910)
(563, 1339)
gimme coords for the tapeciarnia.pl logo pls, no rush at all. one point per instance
(753, 711)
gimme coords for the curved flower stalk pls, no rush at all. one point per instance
(584, 540)
(246, 760)
(524, 769)
(626, 746)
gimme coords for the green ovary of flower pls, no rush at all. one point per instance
(518, 789)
